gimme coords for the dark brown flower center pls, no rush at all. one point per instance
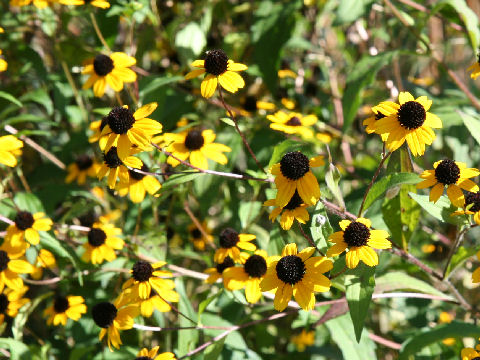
(356, 234)
(3, 303)
(196, 234)
(255, 266)
(473, 198)
(143, 358)
(294, 202)
(120, 120)
(216, 62)
(294, 121)
(4, 259)
(411, 115)
(102, 64)
(111, 158)
(136, 175)
(142, 271)
(194, 140)
(104, 313)
(447, 172)
(84, 162)
(227, 262)
(24, 220)
(96, 237)
(60, 304)
(290, 269)
(87, 219)
(294, 165)
(228, 238)
(250, 103)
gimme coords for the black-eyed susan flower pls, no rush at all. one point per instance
(453, 174)
(476, 272)
(124, 129)
(293, 123)
(26, 227)
(97, 127)
(146, 276)
(215, 273)
(472, 207)
(103, 4)
(293, 173)
(112, 318)
(219, 69)
(286, 73)
(248, 276)
(303, 339)
(137, 185)
(3, 63)
(65, 307)
(379, 112)
(195, 145)
(10, 148)
(250, 104)
(411, 122)
(83, 166)
(230, 244)
(298, 274)
(197, 237)
(11, 301)
(45, 259)
(155, 301)
(360, 241)
(40, 4)
(295, 209)
(112, 70)
(470, 354)
(475, 68)
(114, 166)
(288, 103)
(12, 263)
(145, 354)
(102, 242)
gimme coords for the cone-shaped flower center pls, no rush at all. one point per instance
(255, 266)
(228, 262)
(294, 165)
(120, 120)
(294, 121)
(447, 172)
(228, 238)
(196, 234)
(356, 234)
(290, 269)
(84, 162)
(24, 220)
(216, 62)
(142, 271)
(379, 116)
(102, 64)
(4, 259)
(137, 176)
(294, 202)
(96, 237)
(250, 103)
(473, 198)
(3, 303)
(411, 115)
(194, 140)
(111, 158)
(104, 313)
(60, 304)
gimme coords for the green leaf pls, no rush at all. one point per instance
(186, 338)
(332, 179)
(227, 121)
(281, 149)
(11, 98)
(462, 254)
(154, 83)
(362, 75)
(386, 183)
(359, 289)
(41, 97)
(203, 305)
(28, 202)
(18, 350)
(440, 210)
(190, 41)
(177, 179)
(248, 211)
(428, 336)
(348, 11)
(320, 227)
(213, 352)
(473, 125)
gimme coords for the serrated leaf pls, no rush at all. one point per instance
(320, 227)
(359, 285)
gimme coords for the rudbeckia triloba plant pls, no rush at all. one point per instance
(64, 308)
(10, 146)
(26, 227)
(230, 244)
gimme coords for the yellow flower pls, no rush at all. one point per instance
(26, 227)
(296, 273)
(97, 3)
(146, 276)
(102, 242)
(137, 184)
(469, 354)
(304, 339)
(219, 69)
(476, 273)
(41, 4)
(289, 104)
(45, 259)
(455, 175)
(360, 241)
(411, 122)
(293, 123)
(197, 145)
(472, 207)
(195, 235)
(11, 301)
(250, 105)
(114, 166)
(9, 148)
(248, 276)
(13, 263)
(72, 307)
(97, 127)
(293, 173)
(152, 354)
(112, 69)
(230, 244)
(215, 273)
(112, 318)
(83, 166)
(3, 63)
(379, 112)
(295, 209)
(475, 69)
(285, 73)
(445, 317)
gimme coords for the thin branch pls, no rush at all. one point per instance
(453, 250)
(197, 224)
(309, 239)
(99, 33)
(6, 220)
